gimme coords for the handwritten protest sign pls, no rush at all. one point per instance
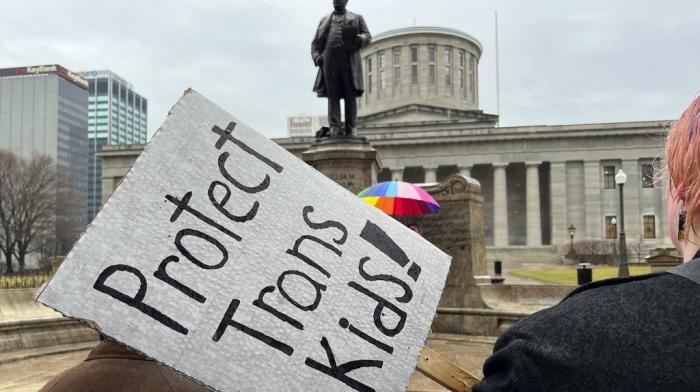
(227, 258)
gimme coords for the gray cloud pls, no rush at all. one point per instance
(561, 61)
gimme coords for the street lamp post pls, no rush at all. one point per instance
(572, 231)
(620, 179)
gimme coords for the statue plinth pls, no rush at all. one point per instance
(349, 161)
(340, 140)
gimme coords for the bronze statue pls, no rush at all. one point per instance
(336, 52)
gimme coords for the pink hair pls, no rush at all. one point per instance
(683, 160)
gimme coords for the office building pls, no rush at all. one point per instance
(116, 114)
(300, 126)
(43, 110)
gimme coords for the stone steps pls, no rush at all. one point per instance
(14, 356)
(28, 325)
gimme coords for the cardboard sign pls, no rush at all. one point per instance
(227, 258)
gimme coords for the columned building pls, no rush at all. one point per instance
(420, 111)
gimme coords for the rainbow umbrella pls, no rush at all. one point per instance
(400, 198)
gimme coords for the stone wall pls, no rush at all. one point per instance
(26, 324)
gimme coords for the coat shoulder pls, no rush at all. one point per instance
(611, 282)
(323, 20)
(353, 15)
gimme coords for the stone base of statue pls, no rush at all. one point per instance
(458, 230)
(350, 161)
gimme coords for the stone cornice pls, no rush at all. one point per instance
(455, 185)
(491, 134)
(121, 150)
(452, 116)
(427, 30)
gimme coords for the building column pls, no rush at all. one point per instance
(593, 185)
(500, 205)
(532, 197)
(557, 190)
(632, 190)
(430, 174)
(397, 174)
(466, 171)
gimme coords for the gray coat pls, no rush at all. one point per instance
(630, 334)
(319, 43)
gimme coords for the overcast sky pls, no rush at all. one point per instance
(562, 62)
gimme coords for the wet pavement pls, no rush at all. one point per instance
(30, 375)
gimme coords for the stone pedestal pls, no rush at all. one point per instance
(663, 259)
(458, 230)
(354, 165)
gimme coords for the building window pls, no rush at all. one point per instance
(102, 86)
(369, 74)
(414, 65)
(448, 67)
(647, 175)
(610, 227)
(460, 67)
(397, 68)
(649, 227)
(431, 65)
(608, 177)
(382, 63)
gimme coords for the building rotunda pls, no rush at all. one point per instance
(421, 112)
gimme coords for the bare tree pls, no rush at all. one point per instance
(8, 196)
(592, 251)
(35, 210)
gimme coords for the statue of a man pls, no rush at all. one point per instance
(336, 52)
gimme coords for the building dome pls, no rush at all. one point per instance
(431, 66)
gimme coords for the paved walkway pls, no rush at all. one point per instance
(29, 375)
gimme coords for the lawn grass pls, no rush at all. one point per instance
(568, 276)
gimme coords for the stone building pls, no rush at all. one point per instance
(421, 112)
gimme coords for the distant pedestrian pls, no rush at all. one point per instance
(416, 228)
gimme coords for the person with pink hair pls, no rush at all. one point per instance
(683, 175)
(638, 333)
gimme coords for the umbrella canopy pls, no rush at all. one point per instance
(400, 198)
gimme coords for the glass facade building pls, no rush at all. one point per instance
(43, 110)
(116, 114)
